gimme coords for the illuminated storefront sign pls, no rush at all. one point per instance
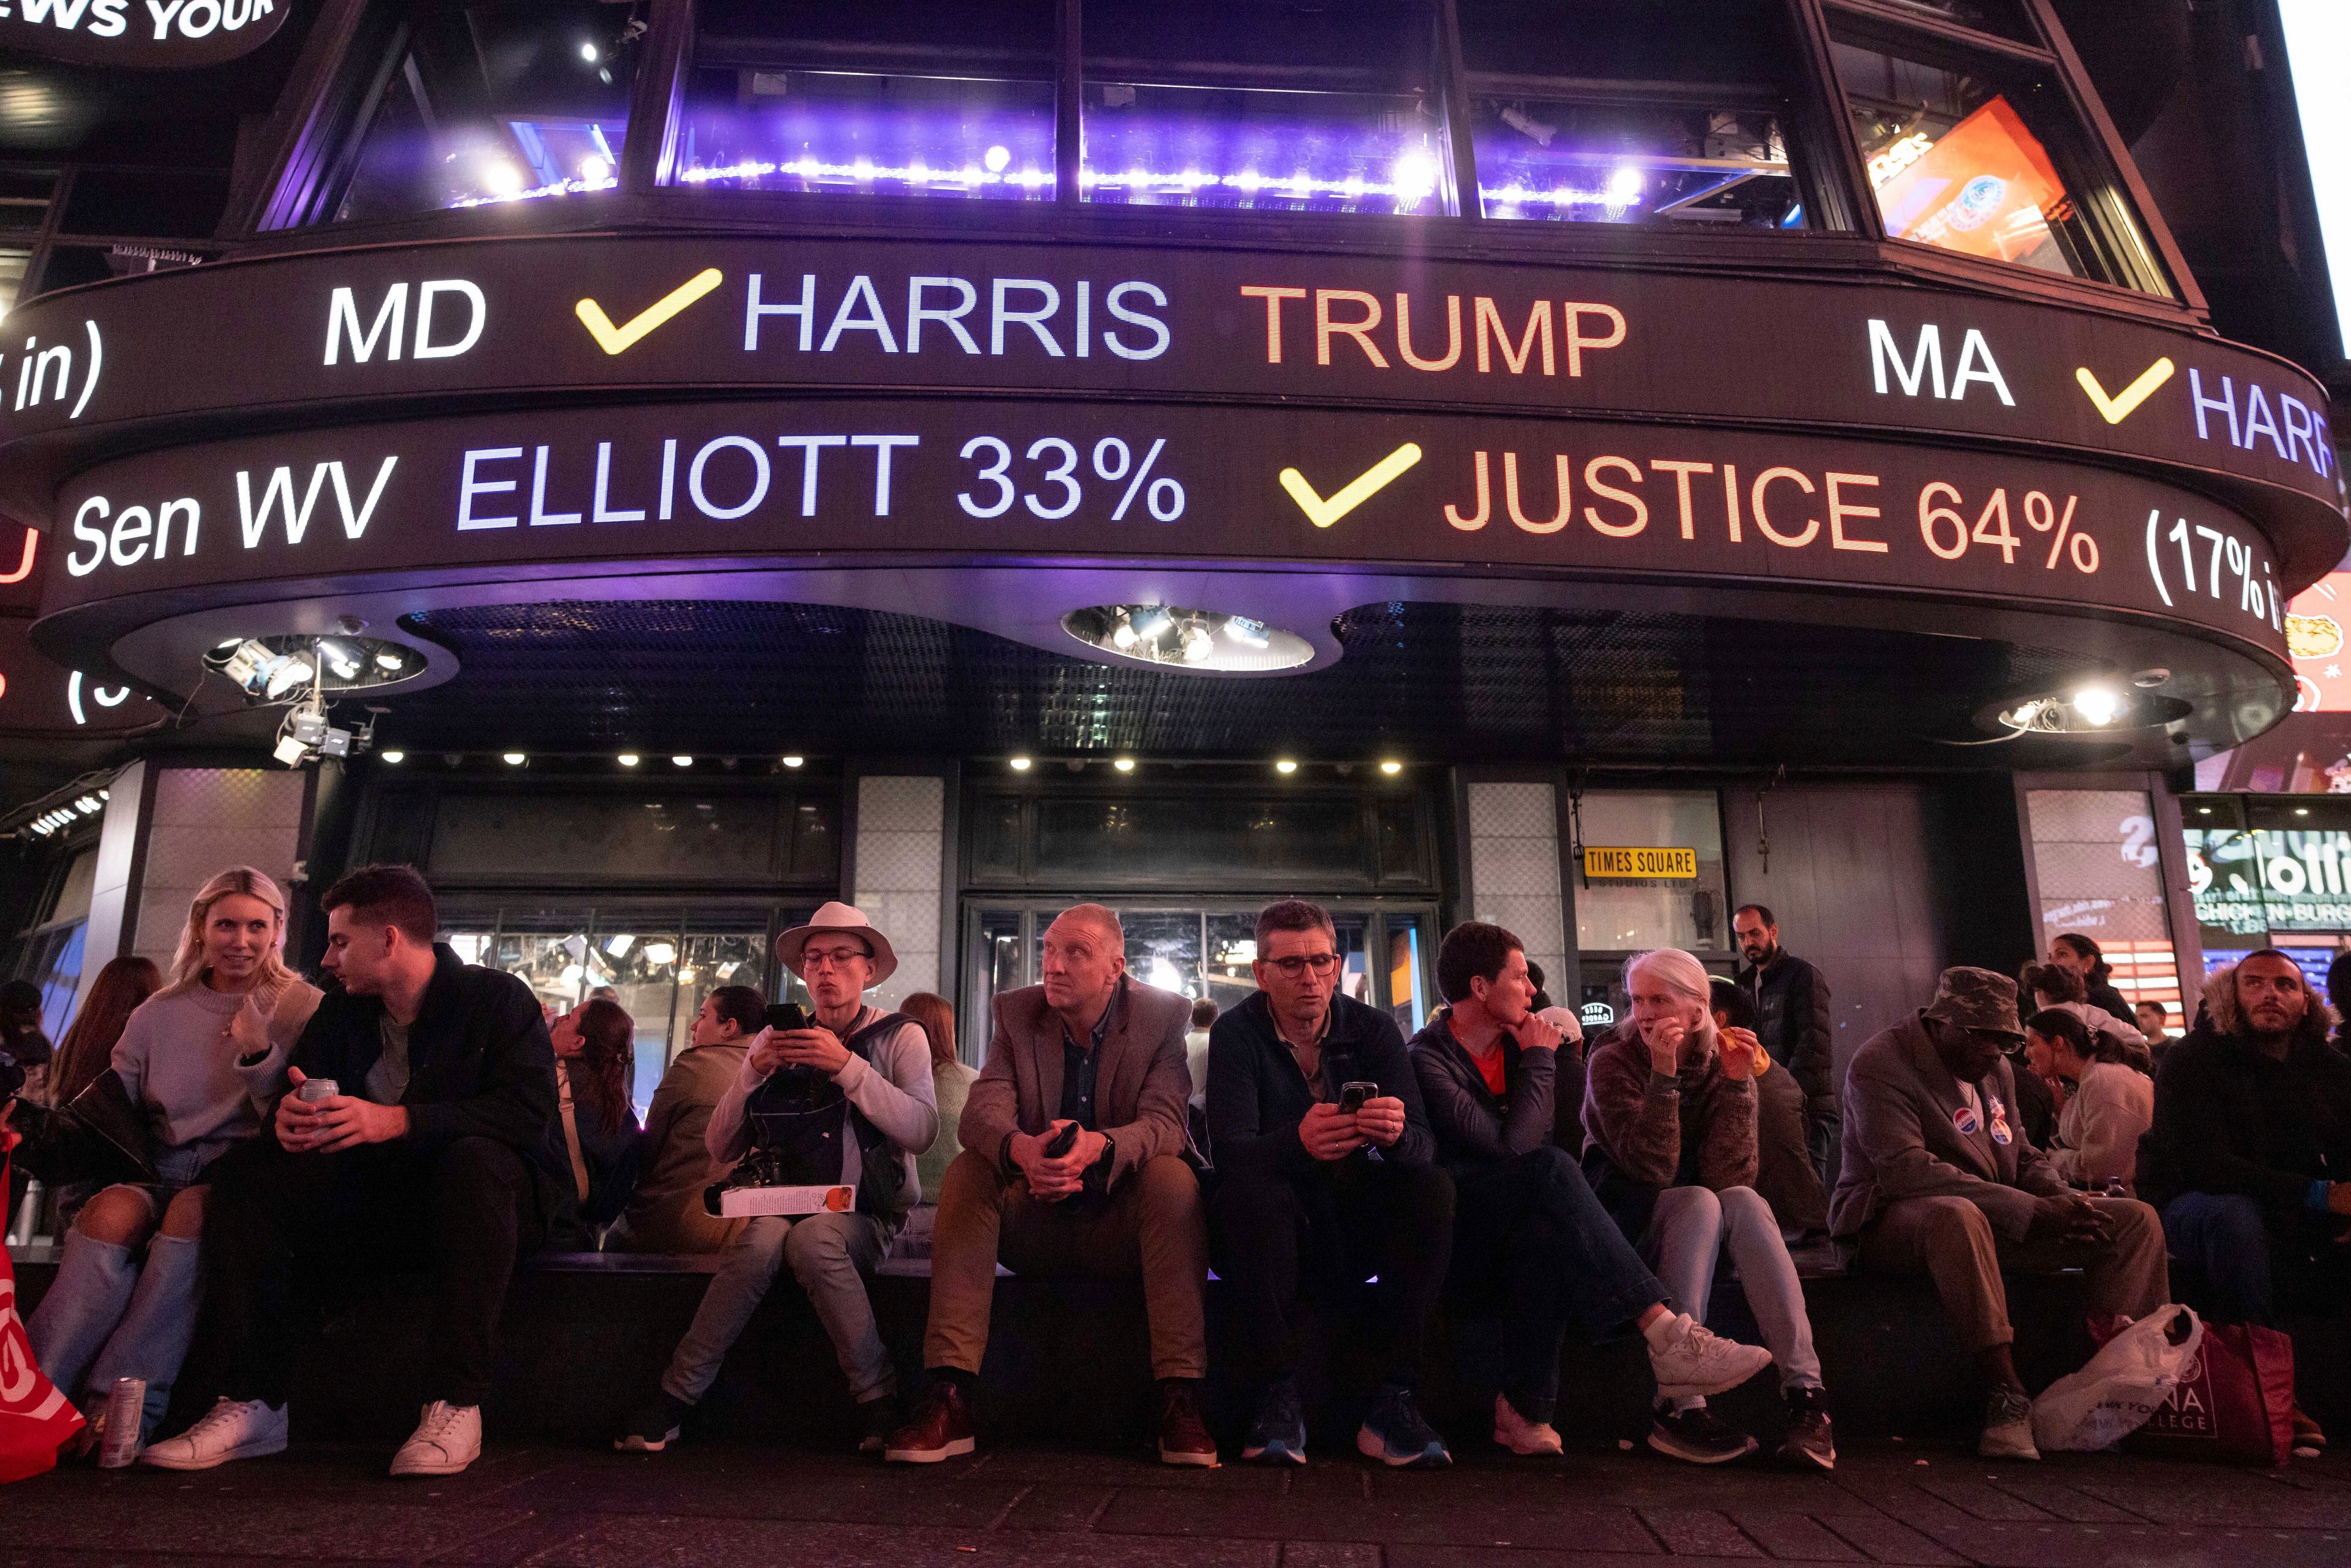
(152, 34)
(1641, 864)
(333, 333)
(2314, 635)
(1105, 480)
(2247, 883)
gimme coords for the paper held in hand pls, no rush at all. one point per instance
(744, 1202)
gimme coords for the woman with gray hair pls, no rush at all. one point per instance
(1670, 1150)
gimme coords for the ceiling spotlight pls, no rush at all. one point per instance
(795, 761)
(1124, 764)
(594, 169)
(513, 758)
(1019, 765)
(1391, 767)
(394, 757)
(502, 179)
(2302, 810)
(628, 759)
(589, 52)
(291, 672)
(1285, 766)
(1191, 639)
(389, 659)
(1150, 621)
(1199, 642)
(2097, 705)
(683, 762)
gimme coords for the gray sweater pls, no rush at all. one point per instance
(894, 1093)
(177, 1057)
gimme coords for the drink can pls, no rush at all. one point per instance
(317, 1089)
(126, 1411)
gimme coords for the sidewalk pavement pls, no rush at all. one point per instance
(721, 1506)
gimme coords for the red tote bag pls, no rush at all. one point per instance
(35, 1419)
(2234, 1405)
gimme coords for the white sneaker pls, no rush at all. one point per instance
(231, 1429)
(1691, 1362)
(447, 1439)
(2007, 1426)
(1520, 1436)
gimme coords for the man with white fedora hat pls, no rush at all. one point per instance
(858, 1070)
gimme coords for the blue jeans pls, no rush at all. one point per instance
(1528, 1230)
(1691, 1230)
(112, 1314)
(2228, 1237)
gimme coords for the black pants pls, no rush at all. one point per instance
(1531, 1239)
(1346, 1220)
(280, 1226)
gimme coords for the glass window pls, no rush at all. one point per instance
(1982, 159)
(912, 99)
(2095, 861)
(1279, 106)
(491, 103)
(1250, 840)
(2004, 18)
(698, 837)
(1607, 115)
(1628, 913)
(2268, 871)
(1409, 999)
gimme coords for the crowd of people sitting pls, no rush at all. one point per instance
(416, 1113)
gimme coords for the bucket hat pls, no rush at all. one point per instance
(1975, 998)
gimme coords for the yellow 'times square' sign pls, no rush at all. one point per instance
(1644, 864)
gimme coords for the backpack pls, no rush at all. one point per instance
(801, 1122)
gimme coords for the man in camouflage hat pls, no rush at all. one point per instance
(1939, 1178)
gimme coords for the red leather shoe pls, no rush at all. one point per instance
(941, 1429)
(1182, 1437)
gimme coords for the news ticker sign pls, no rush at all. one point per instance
(325, 333)
(152, 34)
(1019, 478)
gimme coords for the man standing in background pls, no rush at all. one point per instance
(1792, 1020)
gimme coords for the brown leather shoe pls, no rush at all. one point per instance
(941, 1429)
(1182, 1437)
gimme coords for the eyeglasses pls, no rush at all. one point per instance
(1297, 965)
(829, 957)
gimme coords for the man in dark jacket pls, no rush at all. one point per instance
(420, 1131)
(1306, 1186)
(1528, 1233)
(1792, 1020)
(2250, 1155)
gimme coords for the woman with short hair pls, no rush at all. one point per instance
(124, 1302)
(1670, 1149)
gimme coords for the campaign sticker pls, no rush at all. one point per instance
(1964, 1119)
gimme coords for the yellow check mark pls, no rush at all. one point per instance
(616, 340)
(2124, 404)
(1360, 489)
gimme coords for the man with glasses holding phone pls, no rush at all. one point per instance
(878, 1063)
(1939, 1178)
(1326, 1174)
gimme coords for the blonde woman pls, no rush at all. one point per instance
(124, 1302)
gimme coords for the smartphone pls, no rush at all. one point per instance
(1062, 1141)
(1353, 1095)
(786, 1016)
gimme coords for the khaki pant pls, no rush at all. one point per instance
(1151, 1227)
(1951, 1241)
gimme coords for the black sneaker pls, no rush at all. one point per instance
(876, 1419)
(1695, 1435)
(1808, 1445)
(1277, 1435)
(1396, 1433)
(655, 1424)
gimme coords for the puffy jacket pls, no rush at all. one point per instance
(1474, 1126)
(1792, 1020)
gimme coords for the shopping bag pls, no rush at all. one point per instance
(2127, 1381)
(2233, 1403)
(35, 1419)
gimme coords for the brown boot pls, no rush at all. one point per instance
(1182, 1437)
(941, 1429)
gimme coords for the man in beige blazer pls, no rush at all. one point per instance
(1092, 1057)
